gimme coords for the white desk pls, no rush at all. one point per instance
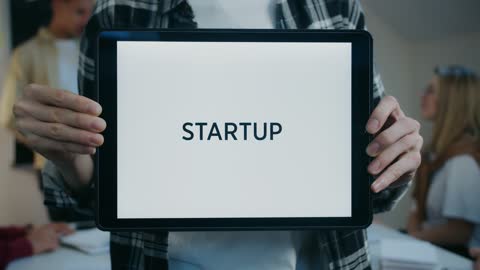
(63, 259)
(69, 259)
(66, 258)
(447, 259)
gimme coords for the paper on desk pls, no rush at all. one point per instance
(407, 254)
(91, 241)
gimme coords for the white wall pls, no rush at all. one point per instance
(20, 199)
(4, 211)
(4, 37)
(406, 66)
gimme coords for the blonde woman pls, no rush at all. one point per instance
(446, 207)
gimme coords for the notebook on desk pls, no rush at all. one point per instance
(91, 241)
(407, 254)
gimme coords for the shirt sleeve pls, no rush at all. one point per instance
(461, 189)
(12, 232)
(57, 194)
(354, 18)
(14, 249)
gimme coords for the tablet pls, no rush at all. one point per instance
(233, 129)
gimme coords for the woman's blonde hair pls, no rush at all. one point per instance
(456, 128)
(458, 110)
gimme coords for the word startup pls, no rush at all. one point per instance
(236, 131)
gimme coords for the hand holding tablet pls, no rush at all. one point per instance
(63, 127)
(46, 116)
(397, 136)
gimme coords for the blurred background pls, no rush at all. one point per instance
(411, 37)
(20, 198)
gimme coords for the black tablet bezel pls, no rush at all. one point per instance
(106, 156)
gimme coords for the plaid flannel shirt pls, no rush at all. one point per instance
(336, 249)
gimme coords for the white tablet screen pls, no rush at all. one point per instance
(229, 130)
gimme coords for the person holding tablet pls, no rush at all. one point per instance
(445, 210)
(66, 129)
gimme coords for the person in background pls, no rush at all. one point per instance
(446, 210)
(49, 58)
(19, 242)
(68, 174)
